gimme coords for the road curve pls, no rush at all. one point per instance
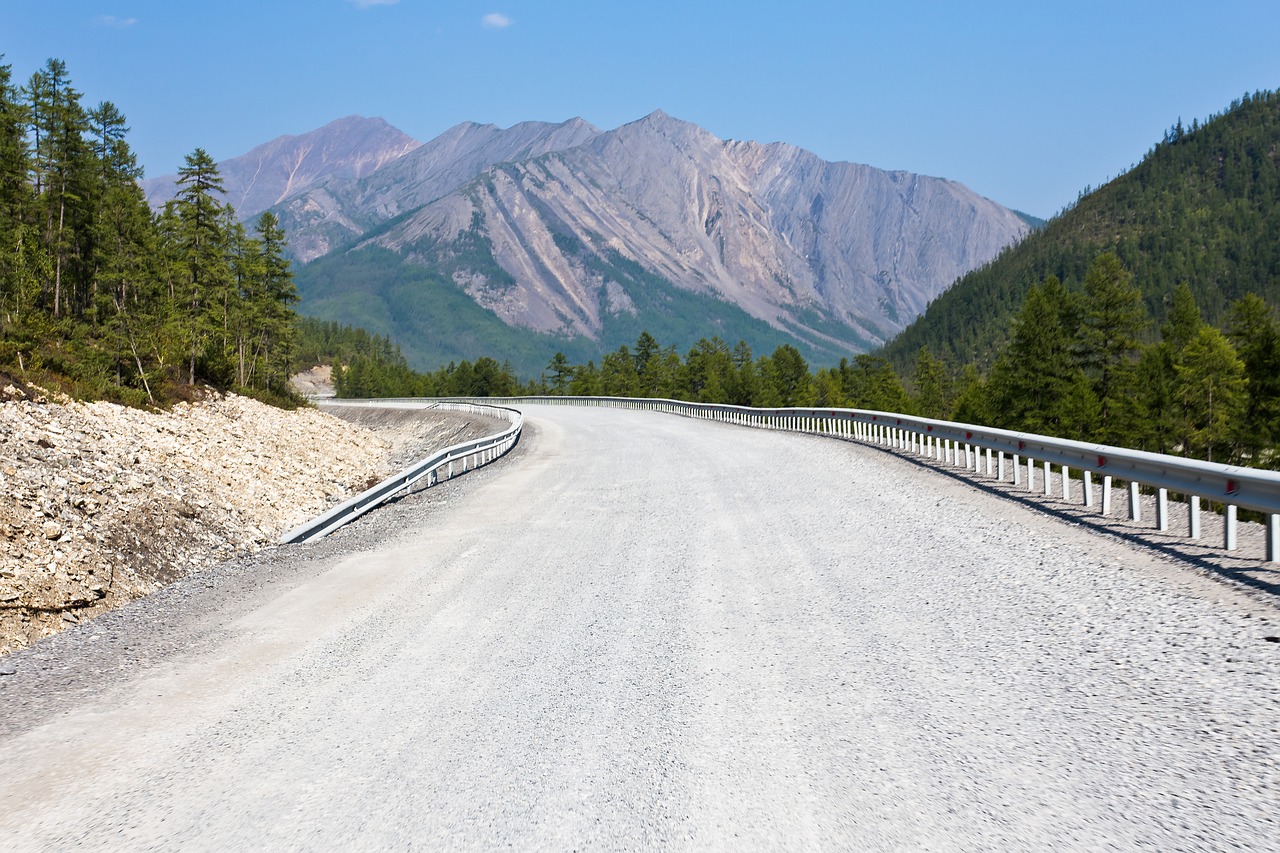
(647, 632)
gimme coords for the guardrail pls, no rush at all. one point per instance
(470, 454)
(1006, 454)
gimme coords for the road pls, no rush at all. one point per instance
(646, 632)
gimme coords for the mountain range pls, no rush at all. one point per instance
(564, 236)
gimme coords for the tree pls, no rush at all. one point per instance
(930, 381)
(1037, 384)
(202, 242)
(869, 382)
(1252, 327)
(1114, 316)
(786, 379)
(561, 373)
(1211, 387)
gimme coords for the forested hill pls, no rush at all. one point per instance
(1200, 209)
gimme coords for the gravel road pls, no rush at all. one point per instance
(701, 637)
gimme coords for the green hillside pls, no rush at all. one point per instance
(434, 322)
(1200, 209)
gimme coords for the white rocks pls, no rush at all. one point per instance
(100, 504)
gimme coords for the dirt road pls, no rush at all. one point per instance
(639, 631)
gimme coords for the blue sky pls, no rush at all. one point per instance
(1025, 102)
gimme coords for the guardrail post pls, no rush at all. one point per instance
(1048, 475)
(989, 468)
(1162, 510)
(1017, 470)
(1229, 529)
(1031, 474)
(1193, 517)
(1273, 538)
(1087, 477)
(1000, 466)
(1135, 505)
(1106, 494)
(1066, 484)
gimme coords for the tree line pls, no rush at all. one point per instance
(1096, 366)
(1090, 366)
(105, 297)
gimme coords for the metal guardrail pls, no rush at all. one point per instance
(1006, 454)
(471, 454)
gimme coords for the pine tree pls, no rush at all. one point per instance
(930, 381)
(1211, 387)
(1114, 316)
(1037, 384)
(202, 243)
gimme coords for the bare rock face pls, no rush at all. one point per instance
(344, 150)
(771, 228)
(340, 210)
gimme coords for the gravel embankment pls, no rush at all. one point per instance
(101, 504)
(643, 632)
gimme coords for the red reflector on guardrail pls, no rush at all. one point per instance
(1232, 487)
(1102, 462)
(968, 435)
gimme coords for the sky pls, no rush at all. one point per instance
(1027, 103)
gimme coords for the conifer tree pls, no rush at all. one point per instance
(1114, 316)
(201, 243)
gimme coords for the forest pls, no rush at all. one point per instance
(102, 298)
(1202, 209)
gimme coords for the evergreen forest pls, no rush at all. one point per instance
(102, 298)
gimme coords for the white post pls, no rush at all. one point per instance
(1135, 507)
(1162, 510)
(1229, 529)
(1273, 538)
(1017, 470)
(1087, 477)
(1031, 474)
(1106, 494)
(1066, 484)
(1000, 466)
(1193, 517)
(989, 468)
(1047, 477)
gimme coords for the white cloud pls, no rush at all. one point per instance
(496, 21)
(114, 22)
(365, 4)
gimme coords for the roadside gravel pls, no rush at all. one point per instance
(697, 637)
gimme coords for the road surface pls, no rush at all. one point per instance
(645, 632)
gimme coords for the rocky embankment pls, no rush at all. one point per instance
(101, 504)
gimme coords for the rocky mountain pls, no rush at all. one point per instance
(341, 209)
(838, 254)
(344, 150)
(563, 236)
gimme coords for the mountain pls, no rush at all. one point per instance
(560, 236)
(342, 208)
(659, 224)
(1202, 208)
(344, 150)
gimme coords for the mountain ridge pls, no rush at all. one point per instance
(568, 231)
